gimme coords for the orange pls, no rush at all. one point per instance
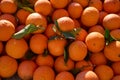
(81, 35)
(111, 6)
(104, 72)
(43, 6)
(84, 65)
(66, 23)
(59, 3)
(1, 47)
(10, 18)
(60, 65)
(26, 69)
(115, 34)
(97, 28)
(44, 73)
(98, 58)
(117, 77)
(84, 3)
(58, 13)
(8, 66)
(38, 43)
(96, 3)
(7, 29)
(75, 10)
(90, 16)
(102, 14)
(49, 32)
(22, 14)
(95, 41)
(56, 46)
(16, 48)
(64, 76)
(87, 75)
(8, 6)
(45, 60)
(111, 21)
(112, 51)
(77, 50)
(38, 20)
(115, 67)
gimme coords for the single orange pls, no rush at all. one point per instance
(111, 6)
(44, 73)
(60, 65)
(112, 51)
(111, 21)
(90, 16)
(8, 66)
(16, 48)
(8, 6)
(95, 41)
(98, 58)
(104, 72)
(66, 23)
(26, 69)
(45, 60)
(43, 6)
(75, 10)
(56, 46)
(7, 29)
(77, 50)
(38, 43)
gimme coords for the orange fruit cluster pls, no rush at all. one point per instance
(60, 39)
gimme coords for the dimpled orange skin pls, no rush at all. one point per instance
(95, 41)
(16, 48)
(77, 50)
(66, 24)
(38, 43)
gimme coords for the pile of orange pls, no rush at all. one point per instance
(74, 39)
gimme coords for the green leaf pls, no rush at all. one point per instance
(65, 56)
(68, 35)
(107, 34)
(28, 9)
(26, 30)
(57, 26)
